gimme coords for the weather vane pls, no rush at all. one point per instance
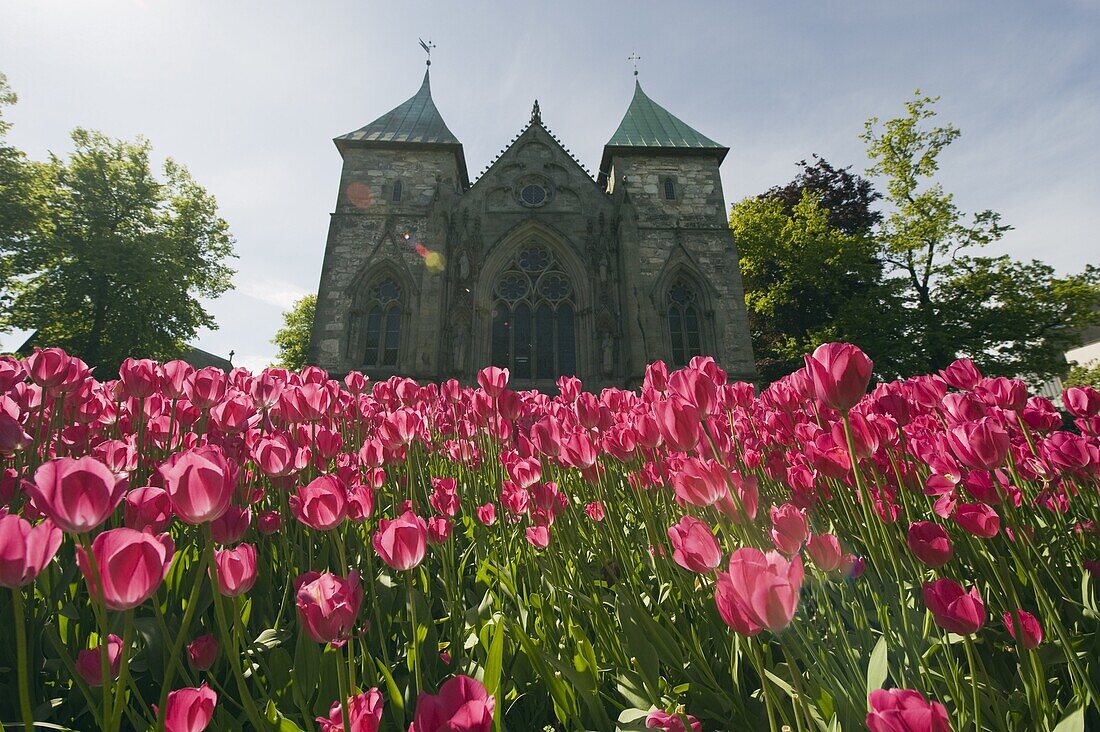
(635, 58)
(427, 46)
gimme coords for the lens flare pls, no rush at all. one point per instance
(360, 195)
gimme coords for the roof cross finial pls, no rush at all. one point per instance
(427, 46)
(635, 58)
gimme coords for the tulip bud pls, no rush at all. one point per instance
(235, 570)
(203, 651)
(190, 709)
(401, 542)
(1031, 633)
(840, 373)
(824, 550)
(905, 710)
(89, 662)
(693, 545)
(930, 543)
(328, 605)
(953, 608)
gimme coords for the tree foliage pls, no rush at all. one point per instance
(806, 280)
(1009, 317)
(116, 260)
(908, 283)
(1088, 375)
(293, 338)
(845, 197)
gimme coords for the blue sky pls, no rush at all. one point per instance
(249, 95)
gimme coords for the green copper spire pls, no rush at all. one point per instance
(648, 124)
(417, 121)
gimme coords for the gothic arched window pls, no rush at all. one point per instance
(670, 188)
(534, 332)
(381, 322)
(682, 303)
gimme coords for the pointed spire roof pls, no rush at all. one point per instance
(414, 122)
(648, 124)
(417, 120)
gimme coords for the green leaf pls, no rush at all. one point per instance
(394, 701)
(878, 667)
(1074, 722)
(493, 667)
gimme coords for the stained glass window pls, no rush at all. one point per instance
(683, 322)
(533, 332)
(380, 319)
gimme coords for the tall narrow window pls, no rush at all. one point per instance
(682, 304)
(532, 331)
(381, 305)
(396, 195)
(670, 189)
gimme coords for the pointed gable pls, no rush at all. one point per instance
(416, 121)
(649, 128)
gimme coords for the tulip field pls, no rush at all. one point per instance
(184, 550)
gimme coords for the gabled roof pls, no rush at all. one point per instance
(648, 125)
(415, 121)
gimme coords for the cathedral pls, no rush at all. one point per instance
(536, 265)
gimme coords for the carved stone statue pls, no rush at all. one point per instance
(463, 266)
(458, 349)
(607, 349)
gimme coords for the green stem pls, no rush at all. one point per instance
(414, 651)
(21, 656)
(969, 645)
(177, 645)
(345, 692)
(124, 667)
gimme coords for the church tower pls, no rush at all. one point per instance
(538, 265)
(686, 296)
(380, 296)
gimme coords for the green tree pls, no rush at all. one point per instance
(293, 338)
(1009, 317)
(22, 209)
(117, 267)
(1084, 376)
(806, 281)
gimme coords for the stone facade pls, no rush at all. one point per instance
(536, 265)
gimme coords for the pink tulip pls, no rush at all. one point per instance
(765, 586)
(662, 720)
(131, 565)
(492, 380)
(140, 378)
(321, 505)
(89, 662)
(693, 545)
(47, 367)
(269, 522)
(203, 651)
(444, 498)
(840, 373)
(328, 605)
(25, 549)
(700, 482)
(824, 550)
(962, 374)
(360, 502)
(982, 444)
(200, 482)
(930, 543)
(978, 519)
(789, 528)
(678, 423)
(235, 570)
(231, 526)
(905, 710)
(12, 437)
(77, 493)
(148, 508)
(364, 713)
(1082, 401)
(1031, 632)
(206, 387)
(401, 542)
(594, 511)
(190, 709)
(953, 608)
(439, 529)
(487, 514)
(173, 377)
(462, 705)
(733, 611)
(538, 536)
